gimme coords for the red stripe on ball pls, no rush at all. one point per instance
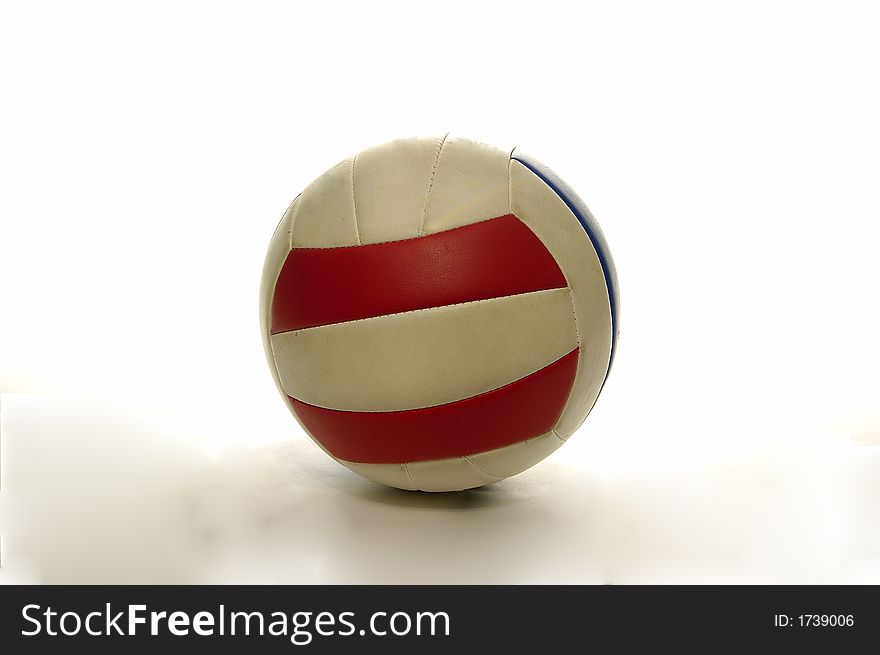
(489, 259)
(526, 408)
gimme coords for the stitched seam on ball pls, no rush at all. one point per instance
(382, 243)
(574, 316)
(510, 183)
(510, 210)
(482, 470)
(431, 183)
(426, 309)
(354, 206)
(409, 475)
(290, 233)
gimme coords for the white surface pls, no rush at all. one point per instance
(729, 155)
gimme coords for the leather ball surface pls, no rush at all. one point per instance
(439, 314)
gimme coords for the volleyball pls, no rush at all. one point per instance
(439, 314)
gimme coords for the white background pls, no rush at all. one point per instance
(729, 150)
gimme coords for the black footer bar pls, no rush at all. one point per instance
(427, 619)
